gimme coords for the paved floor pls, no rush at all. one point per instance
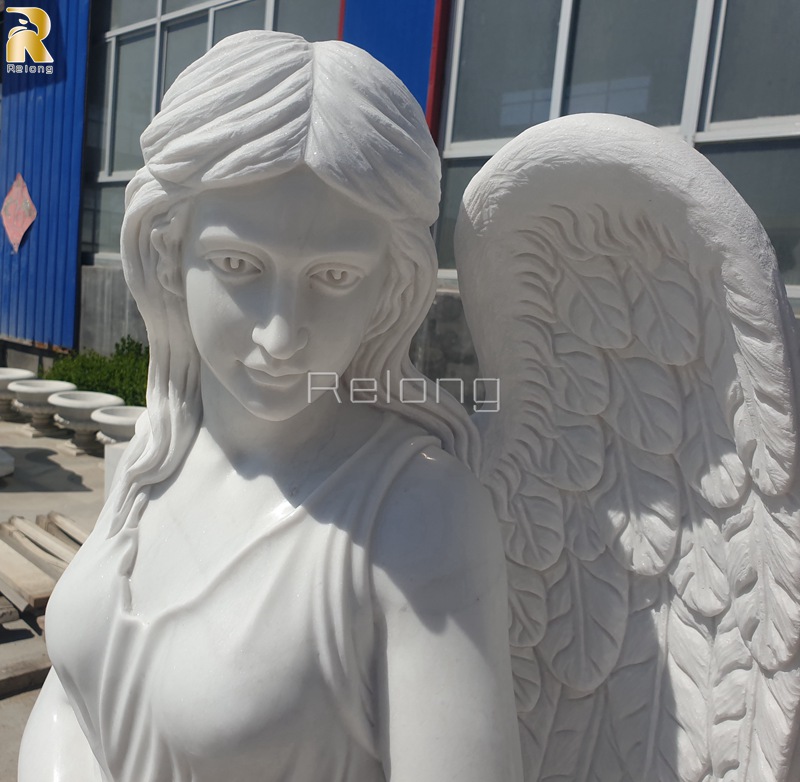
(49, 476)
(14, 713)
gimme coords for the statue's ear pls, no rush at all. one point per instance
(167, 249)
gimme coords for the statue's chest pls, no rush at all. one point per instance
(238, 665)
(184, 542)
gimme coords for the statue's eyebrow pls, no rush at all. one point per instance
(221, 238)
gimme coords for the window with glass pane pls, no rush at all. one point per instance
(315, 20)
(236, 18)
(630, 57)
(505, 69)
(765, 173)
(182, 43)
(456, 176)
(133, 87)
(103, 208)
(177, 5)
(96, 107)
(759, 63)
(125, 12)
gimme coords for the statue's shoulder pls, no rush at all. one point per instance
(430, 477)
(436, 525)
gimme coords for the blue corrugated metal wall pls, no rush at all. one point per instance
(42, 138)
(399, 34)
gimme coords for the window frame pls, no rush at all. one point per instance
(695, 128)
(158, 23)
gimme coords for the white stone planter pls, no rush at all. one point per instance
(74, 411)
(31, 401)
(9, 375)
(117, 424)
(117, 427)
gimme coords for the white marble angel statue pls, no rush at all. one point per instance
(294, 584)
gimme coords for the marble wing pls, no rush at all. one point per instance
(644, 459)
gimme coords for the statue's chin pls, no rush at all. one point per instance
(278, 404)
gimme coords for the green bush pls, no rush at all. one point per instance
(124, 373)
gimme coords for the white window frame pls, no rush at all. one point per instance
(695, 127)
(157, 24)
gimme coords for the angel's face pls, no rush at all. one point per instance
(282, 278)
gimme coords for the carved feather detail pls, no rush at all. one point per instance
(707, 454)
(644, 464)
(537, 545)
(579, 375)
(699, 572)
(590, 302)
(763, 556)
(587, 608)
(753, 713)
(638, 507)
(657, 693)
(664, 310)
(645, 406)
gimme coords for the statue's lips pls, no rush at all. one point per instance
(272, 378)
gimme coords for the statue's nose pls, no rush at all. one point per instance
(281, 337)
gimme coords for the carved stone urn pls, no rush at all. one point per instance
(32, 402)
(74, 411)
(9, 375)
(117, 423)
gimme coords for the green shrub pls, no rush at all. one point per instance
(124, 373)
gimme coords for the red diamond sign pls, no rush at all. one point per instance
(18, 212)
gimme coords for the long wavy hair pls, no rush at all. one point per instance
(254, 107)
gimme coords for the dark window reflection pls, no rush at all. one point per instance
(630, 57)
(766, 175)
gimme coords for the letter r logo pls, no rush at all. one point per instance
(28, 37)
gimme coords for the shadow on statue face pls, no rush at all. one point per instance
(282, 278)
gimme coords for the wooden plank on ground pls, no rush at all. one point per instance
(45, 561)
(51, 528)
(23, 675)
(8, 613)
(24, 584)
(69, 527)
(43, 539)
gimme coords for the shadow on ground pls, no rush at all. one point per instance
(36, 471)
(7, 635)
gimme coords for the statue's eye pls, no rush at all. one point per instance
(233, 265)
(337, 278)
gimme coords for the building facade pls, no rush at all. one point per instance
(724, 75)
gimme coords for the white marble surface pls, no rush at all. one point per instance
(112, 456)
(336, 611)
(31, 400)
(73, 411)
(9, 375)
(117, 423)
(644, 463)
(78, 406)
(291, 583)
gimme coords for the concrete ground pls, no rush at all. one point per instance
(14, 712)
(48, 476)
